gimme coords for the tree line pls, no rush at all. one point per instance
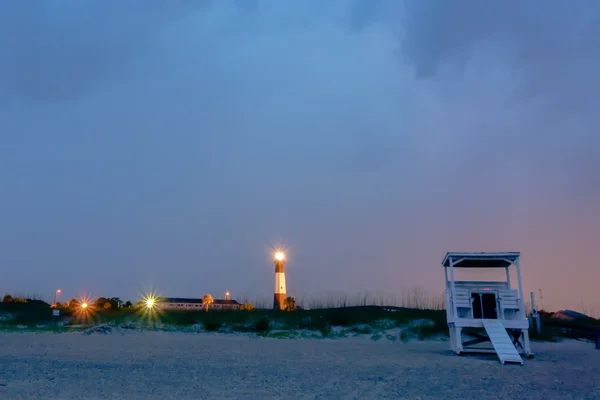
(107, 303)
(115, 303)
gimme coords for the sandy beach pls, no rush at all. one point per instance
(166, 365)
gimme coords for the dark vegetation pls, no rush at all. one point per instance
(363, 319)
(36, 314)
(27, 311)
(553, 329)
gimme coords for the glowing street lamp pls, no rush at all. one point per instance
(56, 293)
(150, 307)
(150, 302)
(84, 311)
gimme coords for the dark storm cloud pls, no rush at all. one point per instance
(56, 51)
(548, 48)
(552, 43)
(174, 143)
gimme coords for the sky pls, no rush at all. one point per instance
(172, 145)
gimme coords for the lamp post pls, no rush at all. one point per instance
(227, 294)
(56, 293)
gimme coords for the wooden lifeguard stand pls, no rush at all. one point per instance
(494, 307)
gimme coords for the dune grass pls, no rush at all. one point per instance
(368, 320)
(372, 321)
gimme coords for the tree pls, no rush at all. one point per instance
(7, 299)
(73, 304)
(101, 302)
(128, 304)
(207, 300)
(59, 305)
(247, 306)
(107, 305)
(20, 300)
(289, 304)
(115, 303)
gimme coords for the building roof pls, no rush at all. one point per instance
(217, 301)
(480, 260)
(572, 314)
(192, 301)
(178, 300)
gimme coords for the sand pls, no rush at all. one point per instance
(168, 365)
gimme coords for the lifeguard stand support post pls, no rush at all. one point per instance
(494, 306)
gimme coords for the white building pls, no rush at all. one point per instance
(178, 303)
(487, 311)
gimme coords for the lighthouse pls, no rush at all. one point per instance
(280, 294)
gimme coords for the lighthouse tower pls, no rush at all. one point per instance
(280, 294)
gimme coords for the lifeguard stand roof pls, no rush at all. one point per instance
(481, 260)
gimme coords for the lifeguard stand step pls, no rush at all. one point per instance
(501, 341)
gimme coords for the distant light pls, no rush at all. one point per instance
(227, 294)
(279, 256)
(150, 302)
(84, 305)
(59, 291)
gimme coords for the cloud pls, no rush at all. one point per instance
(437, 32)
(535, 63)
(152, 140)
(59, 51)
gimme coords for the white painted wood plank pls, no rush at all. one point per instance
(505, 350)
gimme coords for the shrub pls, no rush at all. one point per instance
(289, 304)
(325, 329)
(305, 323)
(212, 325)
(405, 335)
(177, 317)
(262, 325)
(323, 326)
(339, 319)
(362, 329)
(247, 306)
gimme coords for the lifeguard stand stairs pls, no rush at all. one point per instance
(493, 308)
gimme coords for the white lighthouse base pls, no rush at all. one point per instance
(280, 291)
(280, 283)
